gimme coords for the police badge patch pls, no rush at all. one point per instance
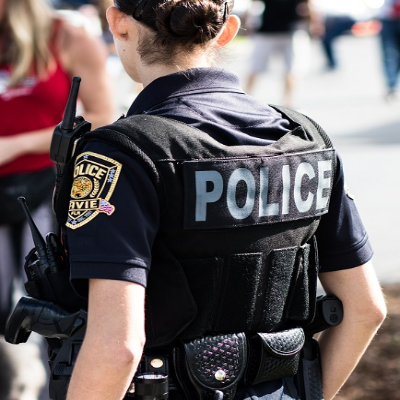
(95, 177)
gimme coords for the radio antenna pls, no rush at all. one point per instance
(36, 235)
(67, 124)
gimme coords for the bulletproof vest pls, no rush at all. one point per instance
(235, 250)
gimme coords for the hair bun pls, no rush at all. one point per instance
(189, 22)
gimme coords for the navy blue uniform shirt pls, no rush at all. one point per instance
(118, 245)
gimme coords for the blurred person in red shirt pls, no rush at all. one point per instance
(40, 51)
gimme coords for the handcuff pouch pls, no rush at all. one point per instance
(213, 363)
(274, 355)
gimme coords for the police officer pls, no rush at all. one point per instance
(209, 225)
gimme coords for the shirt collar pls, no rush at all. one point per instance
(185, 83)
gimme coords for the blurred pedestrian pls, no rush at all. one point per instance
(334, 27)
(39, 54)
(22, 372)
(101, 6)
(337, 19)
(7, 370)
(124, 89)
(283, 29)
(389, 17)
(69, 4)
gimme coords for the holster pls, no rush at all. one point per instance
(210, 365)
(309, 378)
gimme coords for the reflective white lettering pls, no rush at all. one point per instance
(285, 189)
(241, 174)
(282, 189)
(302, 170)
(323, 183)
(266, 209)
(202, 195)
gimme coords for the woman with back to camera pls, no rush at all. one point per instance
(40, 52)
(181, 250)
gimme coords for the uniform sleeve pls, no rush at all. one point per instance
(115, 242)
(342, 239)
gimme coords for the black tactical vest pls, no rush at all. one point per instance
(235, 249)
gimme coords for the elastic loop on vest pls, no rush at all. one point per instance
(251, 292)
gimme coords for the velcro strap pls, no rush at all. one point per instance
(216, 363)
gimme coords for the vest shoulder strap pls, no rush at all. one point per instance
(169, 139)
(306, 122)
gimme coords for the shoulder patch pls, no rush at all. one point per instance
(95, 178)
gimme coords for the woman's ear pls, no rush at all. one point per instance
(229, 31)
(117, 21)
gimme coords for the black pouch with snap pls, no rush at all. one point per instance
(212, 364)
(274, 355)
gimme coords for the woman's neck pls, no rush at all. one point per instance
(150, 73)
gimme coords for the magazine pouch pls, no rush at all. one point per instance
(212, 365)
(274, 355)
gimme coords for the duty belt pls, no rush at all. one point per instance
(214, 365)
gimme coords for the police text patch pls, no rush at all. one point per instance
(241, 192)
(95, 177)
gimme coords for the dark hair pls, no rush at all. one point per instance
(176, 24)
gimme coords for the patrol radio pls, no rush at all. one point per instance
(67, 134)
(52, 308)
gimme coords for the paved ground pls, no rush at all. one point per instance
(349, 103)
